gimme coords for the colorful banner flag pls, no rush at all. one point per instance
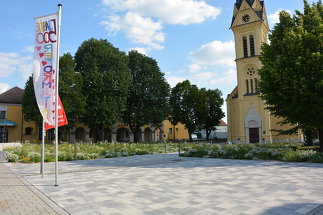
(62, 120)
(45, 59)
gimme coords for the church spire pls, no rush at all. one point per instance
(256, 6)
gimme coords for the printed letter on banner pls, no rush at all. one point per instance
(45, 65)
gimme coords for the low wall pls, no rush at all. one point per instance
(8, 145)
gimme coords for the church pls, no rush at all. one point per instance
(248, 119)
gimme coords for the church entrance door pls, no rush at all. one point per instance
(254, 135)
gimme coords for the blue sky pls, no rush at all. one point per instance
(190, 39)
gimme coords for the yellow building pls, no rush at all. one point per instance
(248, 120)
(13, 128)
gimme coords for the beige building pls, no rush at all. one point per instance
(248, 120)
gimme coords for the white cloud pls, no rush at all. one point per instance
(202, 78)
(215, 53)
(183, 12)
(29, 49)
(138, 29)
(3, 87)
(26, 70)
(142, 20)
(13, 62)
(274, 17)
(193, 68)
(228, 78)
(172, 81)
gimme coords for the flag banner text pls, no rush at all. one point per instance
(45, 65)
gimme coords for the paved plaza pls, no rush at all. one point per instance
(168, 184)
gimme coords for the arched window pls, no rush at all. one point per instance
(251, 85)
(252, 45)
(245, 47)
(247, 85)
(28, 131)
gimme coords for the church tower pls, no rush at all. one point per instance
(248, 120)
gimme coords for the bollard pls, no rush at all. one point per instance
(74, 150)
(179, 148)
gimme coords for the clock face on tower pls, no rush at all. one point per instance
(246, 18)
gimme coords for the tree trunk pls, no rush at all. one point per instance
(190, 135)
(208, 132)
(100, 132)
(136, 134)
(320, 131)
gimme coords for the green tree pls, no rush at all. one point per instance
(29, 104)
(70, 90)
(187, 106)
(106, 82)
(148, 98)
(213, 113)
(292, 76)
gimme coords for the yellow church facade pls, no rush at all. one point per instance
(248, 119)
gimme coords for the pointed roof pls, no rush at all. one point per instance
(239, 2)
(12, 96)
(250, 2)
(222, 123)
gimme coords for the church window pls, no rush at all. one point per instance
(256, 84)
(245, 47)
(247, 85)
(252, 45)
(251, 85)
(251, 71)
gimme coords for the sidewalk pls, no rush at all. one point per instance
(17, 196)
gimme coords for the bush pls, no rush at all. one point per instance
(12, 157)
(82, 156)
(65, 156)
(34, 157)
(301, 156)
(278, 151)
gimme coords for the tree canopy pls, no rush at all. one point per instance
(106, 82)
(213, 113)
(147, 101)
(292, 76)
(29, 104)
(70, 90)
(195, 108)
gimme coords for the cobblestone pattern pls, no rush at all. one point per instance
(316, 211)
(167, 184)
(17, 196)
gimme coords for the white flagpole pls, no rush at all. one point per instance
(43, 150)
(56, 88)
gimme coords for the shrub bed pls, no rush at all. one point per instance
(291, 152)
(30, 153)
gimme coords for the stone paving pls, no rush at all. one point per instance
(168, 184)
(17, 196)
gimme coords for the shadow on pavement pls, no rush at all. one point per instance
(292, 209)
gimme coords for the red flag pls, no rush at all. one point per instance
(62, 120)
